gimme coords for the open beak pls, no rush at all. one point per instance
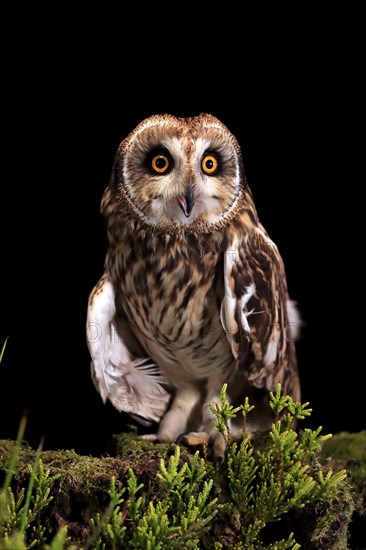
(186, 202)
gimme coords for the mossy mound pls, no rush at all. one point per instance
(81, 488)
(82, 491)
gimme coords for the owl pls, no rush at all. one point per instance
(194, 291)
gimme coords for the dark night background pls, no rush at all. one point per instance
(63, 122)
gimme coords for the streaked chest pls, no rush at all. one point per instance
(172, 294)
(172, 299)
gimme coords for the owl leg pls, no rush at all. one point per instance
(207, 435)
(175, 421)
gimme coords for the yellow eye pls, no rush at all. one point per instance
(210, 164)
(160, 163)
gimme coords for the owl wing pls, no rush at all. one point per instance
(259, 320)
(131, 383)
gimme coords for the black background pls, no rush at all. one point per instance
(293, 111)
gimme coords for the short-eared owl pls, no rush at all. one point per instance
(194, 291)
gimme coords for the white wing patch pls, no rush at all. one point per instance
(242, 304)
(230, 302)
(132, 385)
(227, 311)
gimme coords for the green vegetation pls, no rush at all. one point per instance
(21, 512)
(273, 492)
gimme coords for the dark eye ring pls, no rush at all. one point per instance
(160, 163)
(210, 164)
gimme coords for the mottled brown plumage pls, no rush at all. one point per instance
(194, 292)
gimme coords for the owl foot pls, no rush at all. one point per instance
(215, 443)
(150, 437)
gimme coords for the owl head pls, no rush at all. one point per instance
(175, 173)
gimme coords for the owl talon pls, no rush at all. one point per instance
(181, 439)
(218, 461)
(193, 439)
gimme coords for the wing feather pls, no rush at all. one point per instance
(132, 384)
(257, 315)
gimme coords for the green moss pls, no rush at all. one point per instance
(348, 450)
(330, 520)
(143, 455)
(81, 488)
(346, 446)
(82, 474)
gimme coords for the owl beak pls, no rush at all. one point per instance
(186, 202)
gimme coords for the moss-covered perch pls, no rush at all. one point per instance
(273, 490)
(81, 490)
